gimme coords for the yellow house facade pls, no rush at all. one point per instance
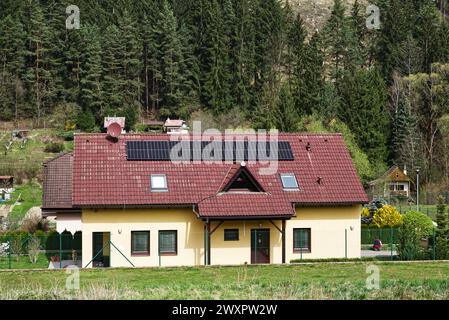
(137, 207)
(335, 233)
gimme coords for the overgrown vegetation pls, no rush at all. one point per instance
(314, 281)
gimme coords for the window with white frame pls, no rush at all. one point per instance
(289, 181)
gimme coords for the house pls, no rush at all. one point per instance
(175, 126)
(393, 183)
(6, 187)
(136, 206)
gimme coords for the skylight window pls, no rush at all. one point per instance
(289, 181)
(159, 183)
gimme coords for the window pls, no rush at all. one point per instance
(401, 187)
(159, 183)
(301, 240)
(392, 187)
(231, 234)
(140, 242)
(168, 242)
(289, 182)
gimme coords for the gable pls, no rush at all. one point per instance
(243, 181)
(396, 174)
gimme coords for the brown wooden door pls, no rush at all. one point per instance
(260, 246)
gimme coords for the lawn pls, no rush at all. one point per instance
(23, 262)
(399, 280)
(30, 196)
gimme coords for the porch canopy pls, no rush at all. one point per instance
(242, 206)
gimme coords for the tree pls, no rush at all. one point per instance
(168, 61)
(442, 231)
(91, 72)
(38, 76)
(12, 60)
(363, 110)
(286, 116)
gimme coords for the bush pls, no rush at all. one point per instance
(416, 226)
(34, 245)
(387, 216)
(54, 147)
(66, 135)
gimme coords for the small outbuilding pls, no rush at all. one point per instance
(393, 183)
(6, 187)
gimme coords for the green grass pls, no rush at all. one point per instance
(25, 161)
(400, 280)
(23, 262)
(30, 196)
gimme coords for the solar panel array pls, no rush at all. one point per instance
(208, 150)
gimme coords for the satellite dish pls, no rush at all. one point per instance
(114, 130)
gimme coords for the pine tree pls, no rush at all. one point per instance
(286, 116)
(215, 91)
(169, 63)
(336, 33)
(363, 110)
(112, 96)
(296, 68)
(129, 58)
(91, 72)
(12, 58)
(442, 232)
(38, 75)
(315, 91)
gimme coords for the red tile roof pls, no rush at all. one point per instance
(102, 176)
(57, 191)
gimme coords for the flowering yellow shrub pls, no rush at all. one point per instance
(387, 216)
(365, 213)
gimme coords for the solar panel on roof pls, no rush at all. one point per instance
(207, 150)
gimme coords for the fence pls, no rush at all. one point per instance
(40, 250)
(386, 235)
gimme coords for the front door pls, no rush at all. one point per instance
(260, 246)
(101, 249)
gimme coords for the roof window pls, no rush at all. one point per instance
(289, 181)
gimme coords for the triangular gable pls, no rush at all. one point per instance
(396, 174)
(243, 180)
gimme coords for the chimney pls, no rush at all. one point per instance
(405, 169)
(114, 126)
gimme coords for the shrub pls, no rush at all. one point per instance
(54, 147)
(442, 232)
(66, 135)
(387, 216)
(33, 249)
(416, 226)
(33, 223)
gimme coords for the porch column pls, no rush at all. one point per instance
(208, 242)
(207, 235)
(283, 241)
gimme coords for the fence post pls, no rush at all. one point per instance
(434, 244)
(391, 242)
(346, 243)
(9, 253)
(60, 250)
